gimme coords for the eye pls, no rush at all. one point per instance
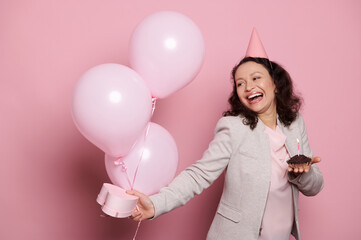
(239, 84)
(256, 78)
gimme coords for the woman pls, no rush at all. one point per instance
(252, 143)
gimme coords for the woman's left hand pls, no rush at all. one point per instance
(305, 167)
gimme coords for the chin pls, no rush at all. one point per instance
(255, 109)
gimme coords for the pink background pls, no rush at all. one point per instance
(50, 174)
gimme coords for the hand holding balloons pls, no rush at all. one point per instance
(112, 104)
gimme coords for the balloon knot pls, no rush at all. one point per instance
(124, 168)
(120, 162)
(154, 101)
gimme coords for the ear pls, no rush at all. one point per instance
(276, 91)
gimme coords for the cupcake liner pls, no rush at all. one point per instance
(299, 159)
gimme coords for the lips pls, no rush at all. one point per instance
(254, 97)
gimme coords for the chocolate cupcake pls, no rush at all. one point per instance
(299, 159)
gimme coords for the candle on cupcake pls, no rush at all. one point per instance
(298, 147)
(298, 159)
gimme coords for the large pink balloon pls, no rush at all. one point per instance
(167, 50)
(156, 168)
(111, 107)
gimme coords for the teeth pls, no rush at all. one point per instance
(255, 95)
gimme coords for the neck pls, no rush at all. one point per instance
(269, 119)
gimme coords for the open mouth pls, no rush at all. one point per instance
(254, 98)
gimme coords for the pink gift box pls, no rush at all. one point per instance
(115, 202)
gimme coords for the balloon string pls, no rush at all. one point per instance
(154, 101)
(136, 231)
(120, 161)
(141, 156)
(136, 172)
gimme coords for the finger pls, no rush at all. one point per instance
(295, 170)
(291, 167)
(135, 193)
(136, 216)
(135, 213)
(307, 167)
(300, 169)
(315, 160)
(139, 217)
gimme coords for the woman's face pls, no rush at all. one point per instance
(255, 88)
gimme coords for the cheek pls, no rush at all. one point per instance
(269, 87)
(240, 94)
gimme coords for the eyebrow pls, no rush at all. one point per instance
(255, 73)
(250, 75)
(239, 79)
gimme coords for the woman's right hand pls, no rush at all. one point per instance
(304, 167)
(145, 208)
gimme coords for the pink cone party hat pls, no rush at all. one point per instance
(255, 46)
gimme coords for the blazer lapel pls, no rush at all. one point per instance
(264, 150)
(291, 140)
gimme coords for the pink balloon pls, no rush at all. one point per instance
(153, 162)
(167, 50)
(111, 107)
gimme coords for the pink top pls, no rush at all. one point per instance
(278, 216)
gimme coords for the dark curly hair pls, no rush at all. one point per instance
(287, 102)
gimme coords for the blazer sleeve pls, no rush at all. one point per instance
(198, 176)
(309, 183)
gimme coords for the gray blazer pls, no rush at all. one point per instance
(245, 154)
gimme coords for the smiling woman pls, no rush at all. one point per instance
(255, 87)
(260, 85)
(252, 144)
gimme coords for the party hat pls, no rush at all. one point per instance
(255, 47)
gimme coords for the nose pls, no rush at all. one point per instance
(249, 86)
